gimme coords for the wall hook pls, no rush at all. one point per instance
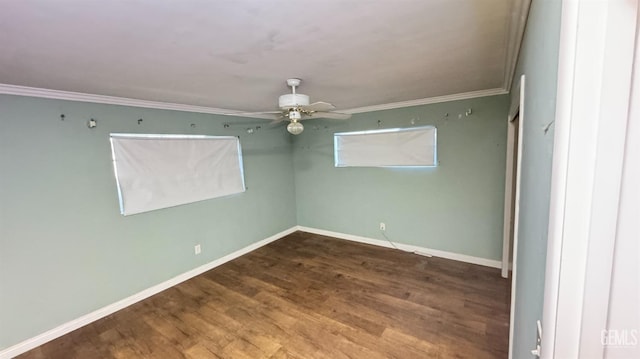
(92, 123)
(139, 121)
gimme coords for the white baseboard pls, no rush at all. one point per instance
(65, 328)
(406, 247)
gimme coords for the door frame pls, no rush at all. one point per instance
(514, 136)
(595, 68)
(516, 109)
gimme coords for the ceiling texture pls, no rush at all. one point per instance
(221, 56)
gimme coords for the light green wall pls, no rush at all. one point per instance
(456, 207)
(539, 62)
(64, 248)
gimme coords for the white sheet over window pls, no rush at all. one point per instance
(160, 171)
(410, 147)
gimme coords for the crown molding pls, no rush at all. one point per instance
(517, 25)
(123, 101)
(110, 100)
(427, 101)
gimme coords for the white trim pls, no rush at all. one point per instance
(513, 137)
(405, 247)
(508, 197)
(616, 74)
(65, 328)
(594, 72)
(428, 100)
(110, 100)
(123, 101)
(516, 213)
(72, 325)
(559, 169)
(517, 25)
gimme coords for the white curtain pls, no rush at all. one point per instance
(159, 171)
(412, 147)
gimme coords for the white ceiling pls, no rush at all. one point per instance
(237, 54)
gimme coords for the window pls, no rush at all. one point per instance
(159, 171)
(407, 147)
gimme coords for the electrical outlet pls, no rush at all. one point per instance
(383, 227)
(197, 249)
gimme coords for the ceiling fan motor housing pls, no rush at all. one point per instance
(293, 100)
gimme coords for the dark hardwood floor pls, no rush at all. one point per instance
(310, 296)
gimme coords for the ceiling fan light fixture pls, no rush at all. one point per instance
(294, 115)
(295, 127)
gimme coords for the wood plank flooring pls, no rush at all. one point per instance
(310, 296)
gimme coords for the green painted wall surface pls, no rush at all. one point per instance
(65, 250)
(454, 207)
(539, 62)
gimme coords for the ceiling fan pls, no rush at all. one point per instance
(295, 107)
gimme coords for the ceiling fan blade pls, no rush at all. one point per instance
(267, 115)
(250, 113)
(331, 115)
(277, 121)
(319, 106)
